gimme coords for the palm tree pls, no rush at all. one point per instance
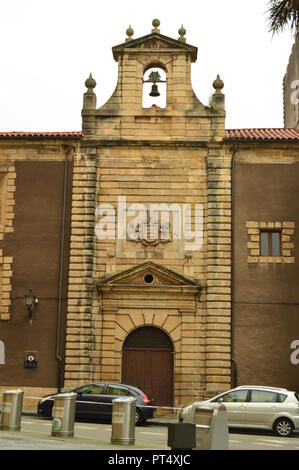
(282, 13)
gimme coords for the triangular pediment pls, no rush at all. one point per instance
(148, 275)
(155, 42)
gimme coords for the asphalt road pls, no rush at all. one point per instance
(36, 435)
(261, 440)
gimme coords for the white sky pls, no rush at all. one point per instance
(48, 48)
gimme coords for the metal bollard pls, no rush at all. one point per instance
(203, 417)
(219, 429)
(63, 414)
(123, 420)
(11, 414)
(211, 428)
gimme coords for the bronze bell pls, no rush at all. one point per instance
(154, 90)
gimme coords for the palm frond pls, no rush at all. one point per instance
(283, 13)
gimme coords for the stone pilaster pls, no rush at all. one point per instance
(5, 286)
(218, 328)
(80, 330)
(107, 357)
(7, 214)
(192, 357)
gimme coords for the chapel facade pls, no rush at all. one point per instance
(161, 247)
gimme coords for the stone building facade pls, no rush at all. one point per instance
(125, 294)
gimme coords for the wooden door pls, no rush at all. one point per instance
(152, 371)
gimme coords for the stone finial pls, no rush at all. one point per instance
(182, 33)
(218, 84)
(129, 33)
(89, 97)
(218, 98)
(90, 84)
(156, 24)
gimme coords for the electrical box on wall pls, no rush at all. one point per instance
(30, 360)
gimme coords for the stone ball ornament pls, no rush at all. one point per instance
(218, 84)
(90, 82)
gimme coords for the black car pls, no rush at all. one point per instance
(94, 402)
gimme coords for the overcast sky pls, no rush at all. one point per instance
(49, 47)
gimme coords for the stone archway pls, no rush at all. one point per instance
(147, 362)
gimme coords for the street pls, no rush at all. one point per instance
(35, 434)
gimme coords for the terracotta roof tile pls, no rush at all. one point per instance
(74, 134)
(231, 134)
(262, 134)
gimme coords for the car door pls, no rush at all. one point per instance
(262, 407)
(236, 406)
(88, 403)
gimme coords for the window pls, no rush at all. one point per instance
(281, 397)
(149, 278)
(270, 243)
(117, 391)
(96, 389)
(233, 397)
(261, 396)
(2, 353)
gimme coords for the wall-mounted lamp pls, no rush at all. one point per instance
(30, 301)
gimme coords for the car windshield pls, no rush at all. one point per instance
(297, 396)
(77, 389)
(217, 398)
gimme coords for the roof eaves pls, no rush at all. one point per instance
(39, 135)
(263, 134)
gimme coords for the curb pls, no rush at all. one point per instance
(153, 421)
(30, 413)
(161, 422)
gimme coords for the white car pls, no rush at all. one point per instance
(254, 407)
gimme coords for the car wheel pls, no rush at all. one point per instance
(283, 427)
(138, 418)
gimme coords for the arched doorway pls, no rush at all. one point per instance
(148, 363)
